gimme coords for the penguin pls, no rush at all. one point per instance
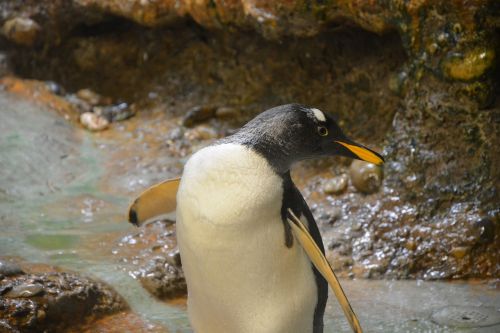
(251, 251)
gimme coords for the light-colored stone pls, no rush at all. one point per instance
(93, 122)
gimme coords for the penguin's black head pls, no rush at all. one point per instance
(293, 132)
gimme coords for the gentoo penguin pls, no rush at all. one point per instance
(249, 245)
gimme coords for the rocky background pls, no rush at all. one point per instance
(417, 80)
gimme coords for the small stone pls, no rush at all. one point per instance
(339, 262)
(8, 268)
(21, 30)
(459, 251)
(366, 177)
(25, 290)
(356, 226)
(116, 112)
(174, 258)
(198, 114)
(4, 64)
(202, 132)
(485, 231)
(226, 112)
(55, 88)
(90, 97)
(336, 185)
(411, 245)
(79, 104)
(41, 314)
(93, 122)
(360, 271)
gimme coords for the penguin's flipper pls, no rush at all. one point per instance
(157, 200)
(323, 266)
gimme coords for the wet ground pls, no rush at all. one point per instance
(64, 194)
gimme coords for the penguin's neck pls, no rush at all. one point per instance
(280, 154)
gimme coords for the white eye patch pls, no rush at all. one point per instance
(319, 114)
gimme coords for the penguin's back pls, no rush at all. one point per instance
(241, 276)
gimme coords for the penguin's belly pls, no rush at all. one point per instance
(241, 277)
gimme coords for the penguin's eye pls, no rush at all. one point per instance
(323, 131)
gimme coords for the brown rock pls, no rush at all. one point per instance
(21, 30)
(336, 185)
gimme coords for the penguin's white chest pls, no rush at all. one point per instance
(240, 275)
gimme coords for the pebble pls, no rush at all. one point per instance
(25, 290)
(485, 231)
(174, 258)
(55, 88)
(459, 251)
(9, 268)
(411, 245)
(226, 112)
(198, 114)
(336, 185)
(93, 122)
(366, 177)
(202, 132)
(91, 97)
(21, 30)
(80, 105)
(339, 262)
(116, 112)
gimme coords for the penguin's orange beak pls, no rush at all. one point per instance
(360, 152)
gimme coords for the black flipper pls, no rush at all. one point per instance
(292, 199)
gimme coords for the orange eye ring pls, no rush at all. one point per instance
(323, 131)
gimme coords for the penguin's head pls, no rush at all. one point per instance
(293, 132)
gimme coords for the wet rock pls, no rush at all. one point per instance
(202, 132)
(6, 328)
(469, 66)
(163, 279)
(155, 259)
(21, 30)
(79, 104)
(93, 122)
(150, 13)
(227, 112)
(25, 290)
(92, 98)
(336, 185)
(55, 88)
(198, 114)
(8, 268)
(459, 251)
(174, 258)
(116, 112)
(4, 64)
(339, 262)
(485, 230)
(38, 302)
(366, 177)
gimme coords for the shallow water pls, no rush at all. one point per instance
(64, 194)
